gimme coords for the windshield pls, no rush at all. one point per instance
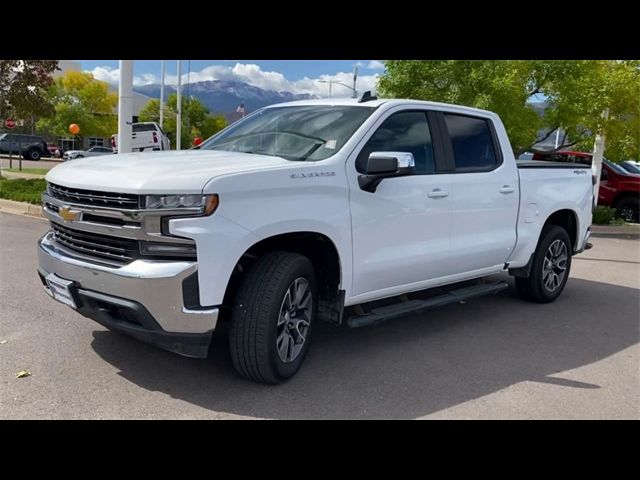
(630, 167)
(615, 167)
(295, 133)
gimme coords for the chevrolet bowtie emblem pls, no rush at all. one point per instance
(69, 215)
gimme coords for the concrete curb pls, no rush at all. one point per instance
(629, 231)
(20, 208)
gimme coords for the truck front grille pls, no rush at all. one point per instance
(93, 198)
(96, 245)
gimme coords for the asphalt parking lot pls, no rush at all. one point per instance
(493, 357)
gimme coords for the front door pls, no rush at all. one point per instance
(401, 231)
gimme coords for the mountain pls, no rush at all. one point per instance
(224, 96)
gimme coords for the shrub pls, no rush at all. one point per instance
(23, 190)
(604, 215)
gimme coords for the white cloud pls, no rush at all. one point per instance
(253, 75)
(375, 65)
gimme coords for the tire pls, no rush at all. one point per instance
(33, 154)
(79, 156)
(542, 286)
(256, 341)
(628, 209)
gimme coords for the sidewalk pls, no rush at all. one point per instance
(6, 174)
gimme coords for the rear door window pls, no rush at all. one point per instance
(472, 143)
(144, 127)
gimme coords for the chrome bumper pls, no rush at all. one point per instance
(156, 285)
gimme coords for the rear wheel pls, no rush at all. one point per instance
(273, 317)
(628, 209)
(33, 154)
(550, 267)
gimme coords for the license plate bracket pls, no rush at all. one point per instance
(61, 290)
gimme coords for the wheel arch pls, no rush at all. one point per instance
(567, 219)
(318, 247)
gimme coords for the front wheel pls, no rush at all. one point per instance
(550, 268)
(273, 316)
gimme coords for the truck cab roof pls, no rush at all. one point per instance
(388, 102)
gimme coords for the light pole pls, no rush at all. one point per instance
(331, 82)
(179, 108)
(125, 106)
(161, 93)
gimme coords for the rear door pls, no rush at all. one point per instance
(485, 194)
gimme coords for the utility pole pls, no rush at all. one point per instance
(125, 106)
(179, 107)
(161, 92)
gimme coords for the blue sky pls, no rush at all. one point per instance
(299, 76)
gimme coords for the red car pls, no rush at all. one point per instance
(54, 150)
(619, 188)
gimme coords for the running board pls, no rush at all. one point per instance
(413, 307)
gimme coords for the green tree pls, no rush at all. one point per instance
(196, 121)
(22, 88)
(79, 98)
(577, 94)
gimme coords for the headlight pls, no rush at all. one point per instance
(206, 203)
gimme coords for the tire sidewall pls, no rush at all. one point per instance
(301, 268)
(34, 155)
(550, 235)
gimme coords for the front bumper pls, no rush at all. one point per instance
(143, 299)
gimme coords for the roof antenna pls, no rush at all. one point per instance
(367, 97)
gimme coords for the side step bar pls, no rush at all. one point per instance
(412, 307)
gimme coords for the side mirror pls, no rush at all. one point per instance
(381, 165)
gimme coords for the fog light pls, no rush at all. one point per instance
(168, 249)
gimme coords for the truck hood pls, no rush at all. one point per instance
(186, 171)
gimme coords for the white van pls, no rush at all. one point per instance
(147, 136)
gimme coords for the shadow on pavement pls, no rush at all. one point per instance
(405, 368)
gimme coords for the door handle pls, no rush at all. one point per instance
(507, 189)
(437, 193)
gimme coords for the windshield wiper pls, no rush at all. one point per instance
(310, 152)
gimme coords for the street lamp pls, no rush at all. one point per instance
(331, 82)
(353, 89)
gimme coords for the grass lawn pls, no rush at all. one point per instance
(36, 171)
(23, 190)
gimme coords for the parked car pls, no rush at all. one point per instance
(631, 166)
(619, 187)
(349, 211)
(146, 136)
(54, 150)
(92, 152)
(31, 147)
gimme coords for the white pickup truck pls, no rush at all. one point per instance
(324, 210)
